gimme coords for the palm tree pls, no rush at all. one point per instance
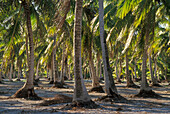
(27, 91)
(80, 93)
(109, 82)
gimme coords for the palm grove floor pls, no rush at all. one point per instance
(135, 105)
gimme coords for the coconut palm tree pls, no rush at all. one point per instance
(27, 91)
(80, 92)
(109, 81)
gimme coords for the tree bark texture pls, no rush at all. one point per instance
(128, 76)
(29, 82)
(109, 82)
(80, 92)
(144, 84)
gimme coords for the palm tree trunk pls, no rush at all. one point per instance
(14, 74)
(109, 82)
(37, 75)
(51, 75)
(155, 70)
(166, 76)
(69, 73)
(144, 84)
(19, 74)
(27, 91)
(80, 92)
(1, 72)
(10, 73)
(135, 70)
(117, 75)
(62, 64)
(55, 64)
(27, 50)
(95, 80)
(100, 75)
(120, 69)
(98, 65)
(29, 82)
(128, 76)
(151, 71)
(65, 67)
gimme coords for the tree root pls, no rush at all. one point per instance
(98, 89)
(113, 98)
(36, 83)
(132, 86)
(37, 80)
(147, 94)
(51, 82)
(81, 104)
(18, 80)
(27, 94)
(58, 85)
(56, 100)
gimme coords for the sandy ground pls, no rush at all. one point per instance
(136, 105)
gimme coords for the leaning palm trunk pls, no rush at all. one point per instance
(27, 91)
(109, 82)
(80, 92)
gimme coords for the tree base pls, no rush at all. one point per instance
(132, 86)
(80, 104)
(98, 89)
(137, 79)
(57, 100)
(114, 98)
(118, 82)
(27, 94)
(58, 85)
(51, 82)
(1, 82)
(18, 80)
(37, 80)
(156, 85)
(35, 83)
(147, 94)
